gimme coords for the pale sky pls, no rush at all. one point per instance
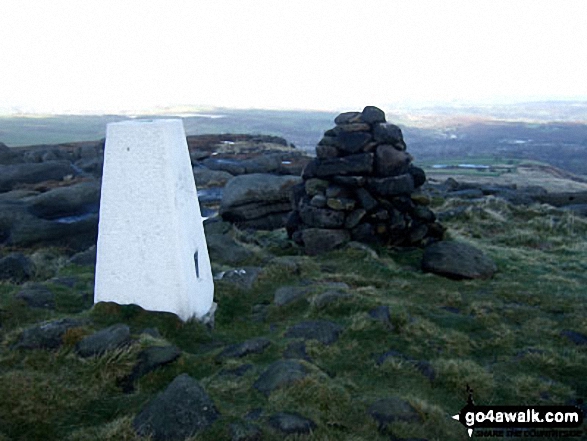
(86, 55)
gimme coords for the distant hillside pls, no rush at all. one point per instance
(554, 133)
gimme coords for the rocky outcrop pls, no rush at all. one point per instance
(259, 201)
(362, 186)
(32, 173)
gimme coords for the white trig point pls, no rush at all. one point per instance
(151, 246)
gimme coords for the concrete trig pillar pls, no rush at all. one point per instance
(151, 246)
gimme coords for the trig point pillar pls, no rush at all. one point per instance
(151, 245)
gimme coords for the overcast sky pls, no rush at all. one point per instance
(109, 55)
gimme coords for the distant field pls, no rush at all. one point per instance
(450, 139)
(303, 129)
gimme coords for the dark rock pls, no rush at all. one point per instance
(9, 156)
(562, 199)
(350, 181)
(182, 410)
(85, 258)
(372, 115)
(16, 267)
(417, 233)
(386, 133)
(315, 186)
(381, 313)
(353, 142)
(222, 248)
(204, 177)
(296, 350)
(321, 330)
(289, 423)
(243, 278)
(245, 432)
(418, 174)
(326, 151)
(267, 163)
(93, 166)
(457, 261)
(352, 127)
(321, 217)
(335, 191)
(226, 165)
(260, 197)
(353, 218)
(47, 335)
(149, 359)
(320, 240)
(392, 186)
(107, 339)
(73, 200)
(424, 213)
(37, 296)
(473, 193)
(393, 409)
(318, 201)
(390, 161)
(32, 173)
(347, 117)
(364, 233)
(367, 201)
(329, 297)
(575, 337)
(19, 228)
(215, 225)
(289, 294)
(358, 164)
(252, 346)
(340, 204)
(279, 374)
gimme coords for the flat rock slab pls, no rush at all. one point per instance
(252, 346)
(290, 422)
(324, 331)
(289, 294)
(36, 295)
(280, 374)
(393, 409)
(182, 410)
(107, 339)
(47, 335)
(457, 260)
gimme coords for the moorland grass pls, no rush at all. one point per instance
(501, 336)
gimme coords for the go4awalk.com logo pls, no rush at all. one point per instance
(520, 421)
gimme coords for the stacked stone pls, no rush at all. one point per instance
(361, 186)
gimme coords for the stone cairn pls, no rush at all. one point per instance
(362, 186)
